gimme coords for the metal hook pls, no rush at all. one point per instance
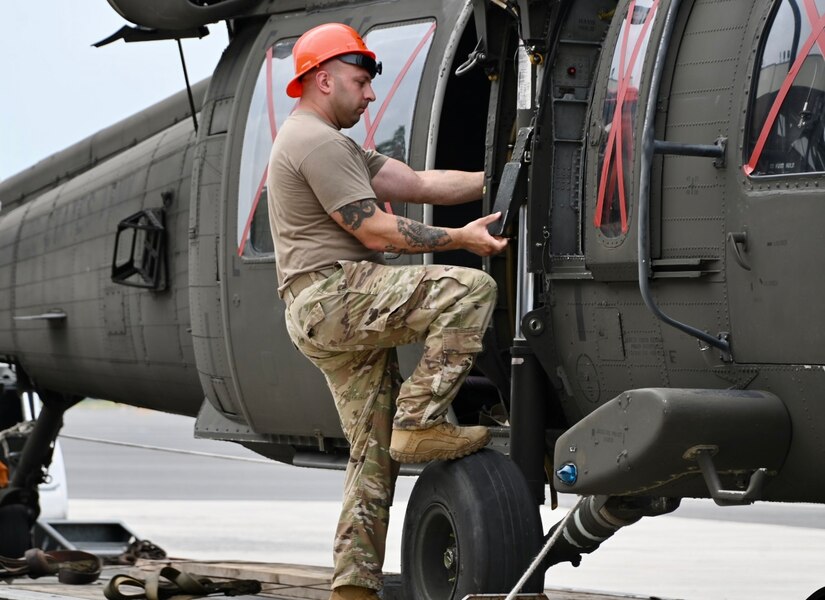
(703, 456)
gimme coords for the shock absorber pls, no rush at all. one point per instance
(596, 519)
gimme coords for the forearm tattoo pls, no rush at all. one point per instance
(420, 237)
(355, 213)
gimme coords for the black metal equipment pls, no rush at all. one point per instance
(19, 502)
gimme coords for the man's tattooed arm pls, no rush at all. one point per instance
(385, 232)
(355, 213)
(419, 237)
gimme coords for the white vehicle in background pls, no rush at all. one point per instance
(17, 414)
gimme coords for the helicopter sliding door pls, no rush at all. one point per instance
(674, 236)
(776, 241)
(281, 392)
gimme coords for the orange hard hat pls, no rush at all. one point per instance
(324, 42)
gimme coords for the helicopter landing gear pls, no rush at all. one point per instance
(15, 527)
(471, 526)
(27, 452)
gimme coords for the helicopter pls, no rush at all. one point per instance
(658, 165)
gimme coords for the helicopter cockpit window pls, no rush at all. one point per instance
(787, 117)
(619, 113)
(385, 126)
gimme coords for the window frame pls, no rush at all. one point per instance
(245, 249)
(752, 138)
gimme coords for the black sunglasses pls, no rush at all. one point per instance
(363, 61)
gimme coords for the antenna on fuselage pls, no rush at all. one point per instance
(147, 34)
(188, 87)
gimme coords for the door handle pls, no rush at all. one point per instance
(737, 239)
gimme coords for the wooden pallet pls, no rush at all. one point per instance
(279, 581)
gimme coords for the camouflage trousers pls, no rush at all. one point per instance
(348, 325)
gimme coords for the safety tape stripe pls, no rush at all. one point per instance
(620, 112)
(273, 130)
(614, 130)
(367, 120)
(566, 533)
(813, 14)
(369, 142)
(816, 31)
(615, 136)
(617, 127)
(270, 96)
(371, 128)
(583, 530)
(251, 216)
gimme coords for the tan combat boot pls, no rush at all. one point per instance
(353, 592)
(443, 441)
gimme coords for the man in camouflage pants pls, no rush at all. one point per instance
(347, 311)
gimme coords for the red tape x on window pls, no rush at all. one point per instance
(817, 22)
(612, 172)
(371, 126)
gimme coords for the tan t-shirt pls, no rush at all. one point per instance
(314, 170)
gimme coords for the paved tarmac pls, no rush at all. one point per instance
(209, 508)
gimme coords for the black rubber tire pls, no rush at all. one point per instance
(817, 595)
(471, 527)
(15, 530)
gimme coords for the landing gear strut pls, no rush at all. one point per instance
(19, 502)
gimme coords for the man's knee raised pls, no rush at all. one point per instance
(482, 285)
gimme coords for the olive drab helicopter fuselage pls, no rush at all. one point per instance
(659, 165)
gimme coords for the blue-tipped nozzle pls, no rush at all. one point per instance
(568, 474)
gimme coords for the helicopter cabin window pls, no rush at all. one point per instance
(787, 115)
(385, 126)
(268, 109)
(619, 113)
